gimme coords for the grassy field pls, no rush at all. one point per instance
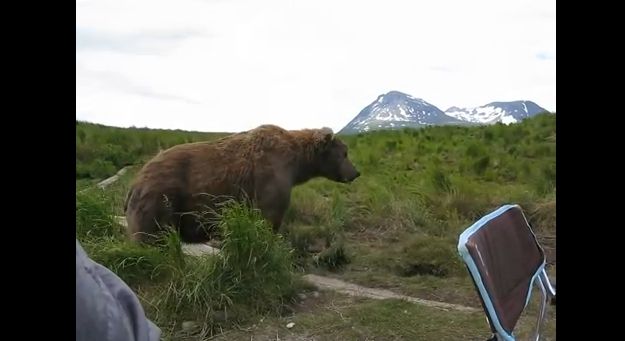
(395, 227)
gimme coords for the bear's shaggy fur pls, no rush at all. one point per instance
(262, 165)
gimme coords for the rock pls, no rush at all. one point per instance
(215, 243)
(302, 296)
(199, 249)
(106, 182)
(290, 325)
(188, 325)
(315, 294)
(121, 220)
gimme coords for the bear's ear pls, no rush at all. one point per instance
(324, 136)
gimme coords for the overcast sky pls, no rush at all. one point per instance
(230, 65)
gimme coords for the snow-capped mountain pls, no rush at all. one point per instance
(395, 110)
(504, 112)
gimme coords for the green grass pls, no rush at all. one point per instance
(395, 227)
(391, 320)
(337, 317)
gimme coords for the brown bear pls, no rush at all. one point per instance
(262, 164)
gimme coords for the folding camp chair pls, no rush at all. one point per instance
(505, 261)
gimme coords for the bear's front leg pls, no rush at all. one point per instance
(273, 201)
(274, 218)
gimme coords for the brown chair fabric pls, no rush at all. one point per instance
(507, 255)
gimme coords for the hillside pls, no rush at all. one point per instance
(395, 228)
(102, 150)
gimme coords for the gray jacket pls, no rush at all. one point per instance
(106, 308)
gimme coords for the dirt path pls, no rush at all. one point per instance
(327, 283)
(109, 181)
(356, 290)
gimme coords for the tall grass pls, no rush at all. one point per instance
(95, 215)
(254, 272)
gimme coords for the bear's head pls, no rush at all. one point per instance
(333, 161)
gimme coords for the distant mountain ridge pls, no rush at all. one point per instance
(504, 112)
(396, 110)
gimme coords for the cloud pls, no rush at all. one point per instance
(111, 81)
(231, 65)
(544, 55)
(138, 43)
(441, 68)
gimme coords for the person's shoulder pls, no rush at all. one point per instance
(106, 307)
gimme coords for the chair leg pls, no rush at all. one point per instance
(551, 291)
(543, 308)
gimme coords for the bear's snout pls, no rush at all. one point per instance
(352, 177)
